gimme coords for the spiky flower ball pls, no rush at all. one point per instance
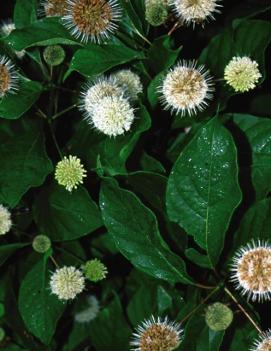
(97, 90)
(130, 82)
(54, 8)
(7, 27)
(156, 12)
(70, 172)
(263, 343)
(95, 270)
(93, 20)
(67, 283)
(218, 316)
(251, 270)
(112, 115)
(157, 335)
(186, 88)
(8, 77)
(242, 74)
(195, 11)
(5, 220)
(54, 55)
(89, 313)
(41, 243)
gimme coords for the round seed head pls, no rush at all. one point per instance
(5, 220)
(93, 20)
(156, 12)
(95, 270)
(242, 74)
(54, 55)
(195, 11)
(41, 243)
(130, 82)
(186, 88)
(251, 270)
(54, 8)
(157, 335)
(8, 77)
(218, 316)
(67, 283)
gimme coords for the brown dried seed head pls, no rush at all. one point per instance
(55, 8)
(4, 79)
(265, 345)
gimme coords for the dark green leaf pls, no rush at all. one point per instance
(7, 250)
(25, 12)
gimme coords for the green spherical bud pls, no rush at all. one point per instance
(95, 270)
(2, 334)
(156, 12)
(218, 316)
(54, 55)
(2, 310)
(41, 243)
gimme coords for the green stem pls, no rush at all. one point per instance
(64, 111)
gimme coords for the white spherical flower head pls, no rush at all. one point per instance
(113, 115)
(263, 343)
(130, 81)
(67, 283)
(70, 172)
(53, 8)
(157, 335)
(91, 312)
(8, 77)
(93, 20)
(251, 270)
(242, 74)
(97, 90)
(195, 11)
(186, 88)
(5, 220)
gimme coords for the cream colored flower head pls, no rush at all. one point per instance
(195, 11)
(92, 20)
(263, 343)
(95, 90)
(130, 82)
(112, 115)
(70, 172)
(187, 88)
(67, 283)
(5, 220)
(157, 335)
(53, 8)
(90, 312)
(251, 271)
(242, 74)
(8, 77)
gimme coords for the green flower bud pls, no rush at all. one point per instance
(156, 12)
(2, 334)
(95, 270)
(41, 243)
(218, 316)
(54, 55)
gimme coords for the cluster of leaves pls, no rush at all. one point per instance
(164, 208)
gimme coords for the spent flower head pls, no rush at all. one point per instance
(5, 220)
(8, 77)
(195, 11)
(218, 316)
(130, 82)
(67, 283)
(186, 88)
(41, 243)
(53, 8)
(95, 270)
(157, 335)
(156, 12)
(54, 55)
(263, 343)
(251, 270)
(70, 172)
(242, 74)
(93, 20)
(90, 312)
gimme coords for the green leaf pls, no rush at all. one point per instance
(14, 106)
(47, 31)
(134, 229)
(199, 259)
(257, 131)
(108, 154)
(7, 250)
(62, 215)
(203, 189)
(39, 308)
(24, 162)
(110, 328)
(96, 59)
(25, 12)
(149, 163)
